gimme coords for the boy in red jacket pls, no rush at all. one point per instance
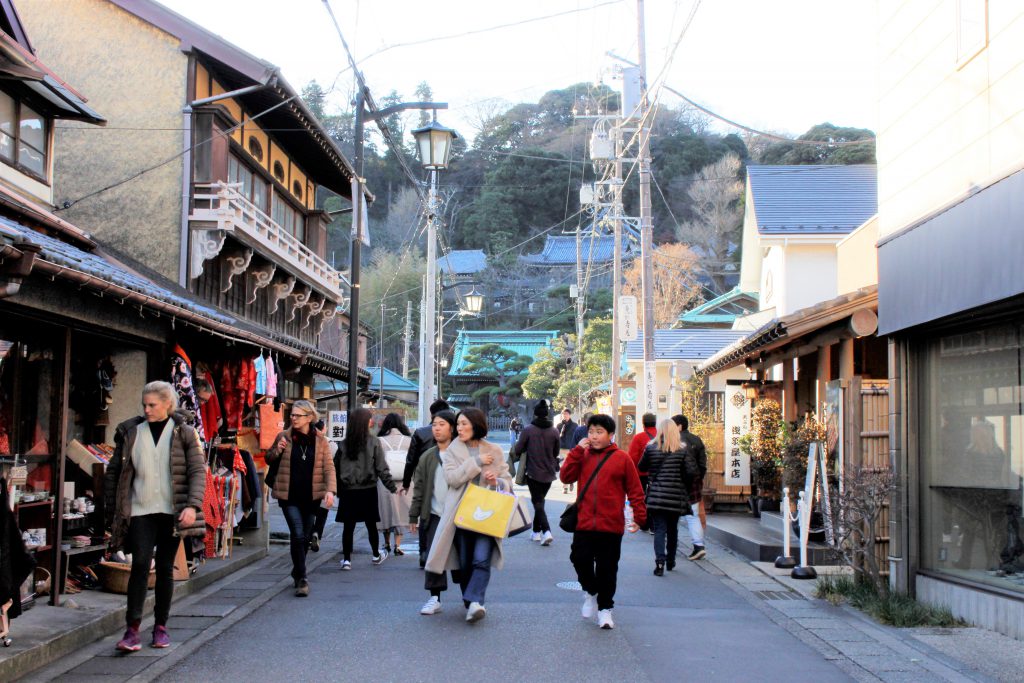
(597, 543)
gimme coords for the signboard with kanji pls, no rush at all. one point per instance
(737, 423)
(337, 421)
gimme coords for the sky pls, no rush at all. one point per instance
(781, 66)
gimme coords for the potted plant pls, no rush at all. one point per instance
(764, 444)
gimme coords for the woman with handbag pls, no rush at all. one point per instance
(539, 443)
(470, 459)
(360, 464)
(395, 437)
(672, 469)
(304, 477)
(429, 492)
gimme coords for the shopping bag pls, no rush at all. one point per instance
(271, 424)
(522, 517)
(485, 511)
(521, 470)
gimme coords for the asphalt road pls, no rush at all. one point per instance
(365, 625)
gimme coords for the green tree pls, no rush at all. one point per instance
(545, 372)
(830, 151)
(389, 279)
(494, 362)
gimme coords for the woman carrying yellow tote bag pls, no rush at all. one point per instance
(485, 511)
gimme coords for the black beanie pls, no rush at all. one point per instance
(541, 409)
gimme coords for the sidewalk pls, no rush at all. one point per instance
(45, 634)
(864, 649)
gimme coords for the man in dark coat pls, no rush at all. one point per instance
(539, 441)
(697, 446)
(422, 441)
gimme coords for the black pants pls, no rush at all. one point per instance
(666, 524)
(347, 534)
(321, 521)
(435, 583)
(538, 491)
(300, 519)
(144, 533)
(595, 555)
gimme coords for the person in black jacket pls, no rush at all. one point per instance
(422, 441)
(539, 441)
(697, 487)
(672, 467)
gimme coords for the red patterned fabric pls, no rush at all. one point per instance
(213, 511)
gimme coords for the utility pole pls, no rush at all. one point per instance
(408, 339)
(429, 314)
(648, 398)
(580, 305)
(618, 211)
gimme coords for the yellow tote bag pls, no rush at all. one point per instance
(485, 511)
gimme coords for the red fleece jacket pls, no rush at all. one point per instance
(601, 509)
(639, 443)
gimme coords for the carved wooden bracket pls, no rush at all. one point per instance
(280, 288)
(235, 263)
(262, 275)
(206, 244)
(312, 309)
(327, 314)
(299, 298)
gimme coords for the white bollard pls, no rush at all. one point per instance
(803, 571)
(786, 561)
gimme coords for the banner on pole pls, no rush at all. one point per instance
(628, 323)
(737, 423)
(337, 422)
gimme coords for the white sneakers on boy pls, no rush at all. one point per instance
(604, 619)
(535, 537)
(589, 607)
(432, 606)
(546, 540)
(476, 612)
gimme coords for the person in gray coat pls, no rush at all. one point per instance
(539, 441)
(672, 468)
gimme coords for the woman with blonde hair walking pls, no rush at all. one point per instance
(671, 471)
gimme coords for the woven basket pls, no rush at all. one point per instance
(42, 581)
(114, 576)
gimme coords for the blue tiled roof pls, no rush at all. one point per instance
(330, 386)
(463, 262)
(392, 381)
(64, 254)
(694, 344)
(805, 200)
(523, 343)
(561, 250)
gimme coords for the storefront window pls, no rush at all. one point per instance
(26, 384)
(972, 456)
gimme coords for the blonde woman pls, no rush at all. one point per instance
(305, 477)
(671, 469)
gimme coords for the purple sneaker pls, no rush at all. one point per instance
(130, 642)
(161, 638)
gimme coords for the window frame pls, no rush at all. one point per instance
(15, 161)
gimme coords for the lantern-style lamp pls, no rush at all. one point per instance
(434, 143)
(474, 301)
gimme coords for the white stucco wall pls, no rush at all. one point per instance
(750, 254)
(945, 126)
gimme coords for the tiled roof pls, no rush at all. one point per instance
(523, 343)
(804, 200)
(392, 381)
(561, 250)
(463, 262)
(722, 309)
(694, 344)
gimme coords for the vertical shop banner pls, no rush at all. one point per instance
(337, 421)
(604, 405)
(737, 423)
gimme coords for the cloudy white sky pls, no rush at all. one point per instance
(782, 65)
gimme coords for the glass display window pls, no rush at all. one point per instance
(27, 376)
(972, 455)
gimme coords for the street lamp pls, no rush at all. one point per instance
(434, 143)
(474, 301)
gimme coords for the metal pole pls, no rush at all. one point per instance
(648, 401)
(427, 387)
(380, 360)
(579, 308)
(616, 269)
(355, 256)
(424, 403)
(408, 339)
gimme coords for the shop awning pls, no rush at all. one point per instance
(105, 275)
(779, 332)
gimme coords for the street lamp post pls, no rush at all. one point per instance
(434, 143)
(474, 305)
(362, 114)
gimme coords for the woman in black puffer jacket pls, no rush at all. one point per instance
(672, 467)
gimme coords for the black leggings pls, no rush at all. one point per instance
(538, 491)
(144, 533)
(350, 529)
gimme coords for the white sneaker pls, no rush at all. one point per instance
(432, 606)
(535, 537)
(379, 559)
(604, 619)
(346, 565)
(589, 606)
(476, 612)
(547, 538)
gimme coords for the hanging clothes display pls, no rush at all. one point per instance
(261, 374)
(271, 377)
(213, 513)
(210, 410)
(181, 378)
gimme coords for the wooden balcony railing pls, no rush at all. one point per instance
(220, 206)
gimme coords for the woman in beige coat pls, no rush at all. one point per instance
(469, 459)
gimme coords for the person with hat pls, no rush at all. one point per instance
(539, 441)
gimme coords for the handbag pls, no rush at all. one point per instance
(570, 516)
(485, 511)
(522, 518)
(521, 470)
